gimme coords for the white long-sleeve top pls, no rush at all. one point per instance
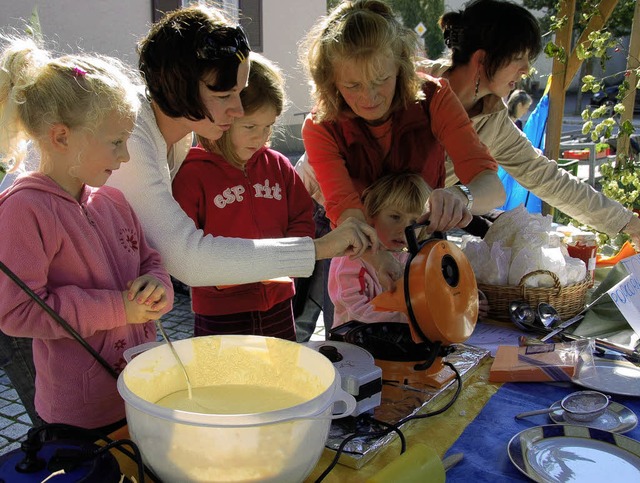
(189, 255)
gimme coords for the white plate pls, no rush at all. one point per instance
(616, 418)
(612, 377)
(566, 453)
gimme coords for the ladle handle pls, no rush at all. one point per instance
(536, 412)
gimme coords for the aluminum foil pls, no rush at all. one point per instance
(398, 402)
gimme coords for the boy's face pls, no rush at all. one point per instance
(251, 132)
(390, 224)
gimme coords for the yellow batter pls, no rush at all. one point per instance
(231, 399)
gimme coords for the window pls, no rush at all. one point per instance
(251, 21)
(160, 7)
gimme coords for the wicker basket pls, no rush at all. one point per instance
(567, 300)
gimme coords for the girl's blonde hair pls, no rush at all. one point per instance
(358, 31)
(406, 192)
(37, 91)
(265, 88)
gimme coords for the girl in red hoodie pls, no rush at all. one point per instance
(238, 187)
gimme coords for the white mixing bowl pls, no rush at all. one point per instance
(282, 445)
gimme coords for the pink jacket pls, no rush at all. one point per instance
(352, 286)
(78, 257)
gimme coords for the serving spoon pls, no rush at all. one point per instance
(175, 354)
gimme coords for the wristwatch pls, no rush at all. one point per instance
(467, 193)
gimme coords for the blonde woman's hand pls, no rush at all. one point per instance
(352, 237)
(445, 210)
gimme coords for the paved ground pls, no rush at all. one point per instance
(14, 421)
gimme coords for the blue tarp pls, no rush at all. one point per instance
(535, 129)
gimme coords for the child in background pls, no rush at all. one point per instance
(237, 187)
(391, 204)
(76, 245)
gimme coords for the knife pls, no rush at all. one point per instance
(576, 318)
(562, 326)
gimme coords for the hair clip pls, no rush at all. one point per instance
(224, 42)
(453, 37)
(78, 72)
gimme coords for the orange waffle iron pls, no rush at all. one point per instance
(439, 295)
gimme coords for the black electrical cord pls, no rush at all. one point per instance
(88, 435)
(393, 427)
(58, 319)
(117, 445)
(446, 406)
(376, 434)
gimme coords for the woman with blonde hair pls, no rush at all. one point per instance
(374, 115)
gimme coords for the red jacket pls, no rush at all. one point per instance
(265, 200)
(347, 158)
(413, 149)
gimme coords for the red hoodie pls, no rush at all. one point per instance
(265, 200)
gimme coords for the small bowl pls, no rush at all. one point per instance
(585, 406)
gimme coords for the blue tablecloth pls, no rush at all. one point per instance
(484, 442)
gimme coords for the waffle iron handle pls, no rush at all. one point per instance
(412, 242)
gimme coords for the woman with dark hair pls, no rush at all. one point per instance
(493, 43)
(194, 62)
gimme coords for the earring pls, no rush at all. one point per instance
(475, 94)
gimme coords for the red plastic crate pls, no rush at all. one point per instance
(584, 153)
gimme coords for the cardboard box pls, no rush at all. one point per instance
(535, 363)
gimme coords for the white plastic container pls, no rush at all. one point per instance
(282, 445)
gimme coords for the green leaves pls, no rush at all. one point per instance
(552, 50)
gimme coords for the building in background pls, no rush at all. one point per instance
(113, 27)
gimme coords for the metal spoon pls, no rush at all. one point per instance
(536, 412)
(579, 316)
(548, 315)
(175, 354)
(522, 315)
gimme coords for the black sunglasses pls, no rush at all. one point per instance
(222, 43)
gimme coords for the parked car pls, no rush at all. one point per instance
(608, 94)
